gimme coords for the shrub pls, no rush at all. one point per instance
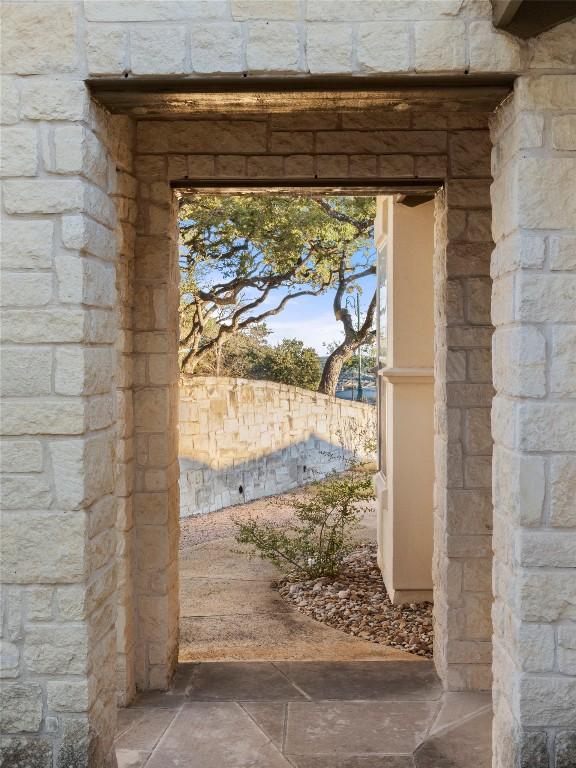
(315, 543)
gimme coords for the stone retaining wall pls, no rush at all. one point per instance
(242, 439)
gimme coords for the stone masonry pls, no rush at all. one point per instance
(89, 289)
(260, 438)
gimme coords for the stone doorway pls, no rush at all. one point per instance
(413, 151)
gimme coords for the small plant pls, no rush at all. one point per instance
(316, 542)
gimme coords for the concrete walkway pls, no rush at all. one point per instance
(230, 612)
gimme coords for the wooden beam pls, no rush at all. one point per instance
(187, 97)
(308, 186)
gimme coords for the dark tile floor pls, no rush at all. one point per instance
(359, 714)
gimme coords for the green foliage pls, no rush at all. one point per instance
(316, 542)
(290, 362)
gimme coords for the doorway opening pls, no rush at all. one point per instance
(382, 151)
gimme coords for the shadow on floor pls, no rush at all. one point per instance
(300, 714)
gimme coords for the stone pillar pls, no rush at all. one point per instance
(405, 524)
(125, 199)
(463, 397)
(534, 424)
(156, 504)
(59, 326)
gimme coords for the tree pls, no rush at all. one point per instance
(290, 362)
(243, 258)
(236, 354)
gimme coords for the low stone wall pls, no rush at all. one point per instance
(242, 439)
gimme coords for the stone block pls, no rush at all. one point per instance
(563, 252)
(83, 470)
(48, 549)
(563, 361)
(564, 132)
(547, 596)
(547, 701)
(20, 707)
(469, 153)
(554, 48)
(546, 548)
(21, 750)
(546, 188)
(383, 47)
(202, 136)
(19, 150)
(29, 326)
(477, 431)
(54, 99)
(55, 650)
(246, 10)
(440, 46)
(562, 483)
(216, 48)
(329, 48)
(9, 100)
(25, 289)
(21, 456)
(158, 50)
(553, 91)
(518, 251)
(519, 361)
(547, 426)
(567, 649)
(43, 416)
(106, 49)
(30, 492)
(68, 696)
(78, 151)
(291, 142)
(565, 749)
(40, 604)
(84, 370)
(43, 196)
(25, 52)
(83, 280)
(491, 50)
(26, 371)
(9, 660)
(26, 244)
(519, 486)
(332, 166)
(396, 165)
(273, 46)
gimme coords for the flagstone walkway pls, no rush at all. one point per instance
(358, 714)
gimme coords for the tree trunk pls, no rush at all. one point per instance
(333, 368)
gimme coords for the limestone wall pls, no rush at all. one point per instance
(242, 439)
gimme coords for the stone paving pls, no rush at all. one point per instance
(358, 714)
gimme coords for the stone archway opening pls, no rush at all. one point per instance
(433, 141)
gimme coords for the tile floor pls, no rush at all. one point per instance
(327, 714)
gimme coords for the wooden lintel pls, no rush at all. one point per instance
(187, 97)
